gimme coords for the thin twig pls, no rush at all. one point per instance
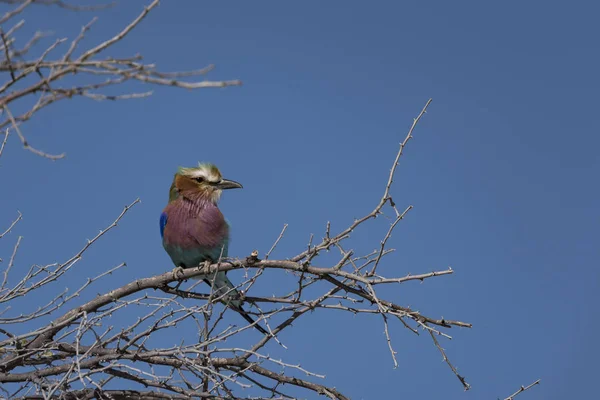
(461, 378)
(24, 141)
(276, 241)
(4, 141)
(522, 389)
(12, 225)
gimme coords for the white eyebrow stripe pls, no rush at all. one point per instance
(201, 173)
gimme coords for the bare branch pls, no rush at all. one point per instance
(16, 221)
(26, 144)
(522, 389)
(40, 77)
(11, 262)
(15, 11)
(4, 141)
(120, 35)
(447, 361)
(7, 54)
(276, 242)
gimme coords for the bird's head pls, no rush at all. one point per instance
(205, 181)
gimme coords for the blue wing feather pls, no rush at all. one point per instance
(163, 223)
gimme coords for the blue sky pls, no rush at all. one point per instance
(501, 171)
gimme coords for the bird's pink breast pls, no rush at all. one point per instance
(191, 225)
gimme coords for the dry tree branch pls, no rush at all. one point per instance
(10, 262)
(4, 142)
(60, 4)
(51, 72)
(386, 195)
(275, 243)
(24, 141)
(7, 54)
(15, 222)
(15, 11)
(118, 36)
(447, 361)
(53, 272)
(522, 389)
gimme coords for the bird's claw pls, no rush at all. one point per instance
(205, 266)
(177, 272)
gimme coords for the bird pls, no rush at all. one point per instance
(194, 230)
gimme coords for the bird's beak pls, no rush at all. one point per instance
(227, 184)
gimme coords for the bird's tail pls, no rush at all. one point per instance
(248, 318)
(223, 288)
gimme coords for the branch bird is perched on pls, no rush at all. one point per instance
(193, 229)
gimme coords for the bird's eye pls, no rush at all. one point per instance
(199, 179)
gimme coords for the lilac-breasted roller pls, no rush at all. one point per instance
(193, 229)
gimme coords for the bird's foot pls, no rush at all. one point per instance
(177, 272)
(205, 266)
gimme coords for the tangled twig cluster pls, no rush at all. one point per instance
(42, 76)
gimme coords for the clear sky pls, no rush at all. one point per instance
(503, 171)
